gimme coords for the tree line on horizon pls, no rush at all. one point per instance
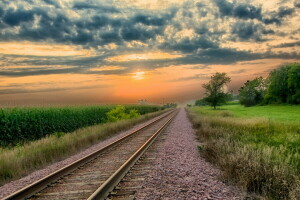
(282, 86)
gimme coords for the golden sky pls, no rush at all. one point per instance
(86, 52)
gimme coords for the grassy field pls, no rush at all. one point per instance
(258, 148)
(20, 160)
(19, 125)
(282, 113)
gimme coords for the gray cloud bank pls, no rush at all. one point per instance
(95, 24)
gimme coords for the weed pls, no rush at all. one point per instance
(226, 114)
(260, 155)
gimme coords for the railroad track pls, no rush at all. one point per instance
(134, 180)
(96, 175)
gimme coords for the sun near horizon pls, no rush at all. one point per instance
(77, 52)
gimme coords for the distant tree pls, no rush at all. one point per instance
(200, 102)
(170, 105)
(252, 92)
(284, 85)
(215, 94)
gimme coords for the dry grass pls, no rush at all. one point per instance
(19, 161)
(260, 156)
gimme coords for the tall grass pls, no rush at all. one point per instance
(21, 160)
(18, 125)
(259, 155)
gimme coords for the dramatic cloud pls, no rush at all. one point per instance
(84, 37)
(290, 44)
(239, 10)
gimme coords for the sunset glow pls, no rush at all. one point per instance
(122, 51)
(138, 75)
(144, 56)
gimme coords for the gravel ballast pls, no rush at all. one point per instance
(14, 186)
(179, 172)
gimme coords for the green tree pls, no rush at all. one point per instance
(294, 84)
(200, 102)
(252, 92)
(215, 94)
(278, 90)
(284, 85)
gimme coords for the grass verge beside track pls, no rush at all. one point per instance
(261, 155)
(19, 161)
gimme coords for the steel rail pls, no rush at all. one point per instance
(42, 183)
(103, 191)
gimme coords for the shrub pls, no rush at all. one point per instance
(119, 113)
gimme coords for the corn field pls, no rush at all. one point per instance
(18, 125)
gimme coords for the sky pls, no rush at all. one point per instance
(120, 51)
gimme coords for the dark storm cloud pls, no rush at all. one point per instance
(248, 11)
(56, 25)
(225, 55)
(239, 10)
(52, 2)
(277, 17)
(15, 17)
(187, 45)
(244, 11)
(101, 8)
(35, 71)
(285, 11)
(225, 7)
(110, 37)
(247, 30)
(229, 56)
(154, 19)
(289, 44)
(149, 20)
(1, 11)
(139, 33)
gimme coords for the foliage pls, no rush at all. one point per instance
(252, 92)
(18, 125)
(260, 155)
(201, 102)
(284, 85)
(215, 94)
(119, 113)
(294, 84)
(170, 105)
